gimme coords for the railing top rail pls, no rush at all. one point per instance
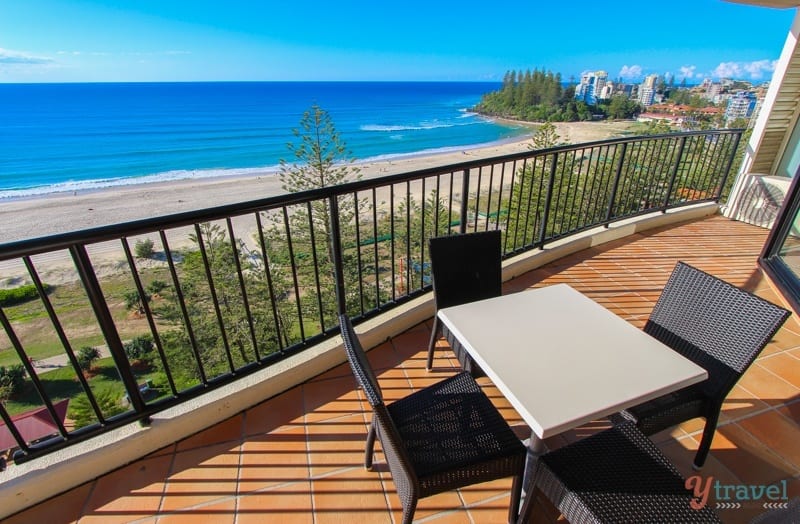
(27, 247)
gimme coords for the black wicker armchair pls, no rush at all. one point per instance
(615, 476)
(465, 268)
(446, 436)
(719, 327)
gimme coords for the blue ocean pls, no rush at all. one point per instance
(66, 137)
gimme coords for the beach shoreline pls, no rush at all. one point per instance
(52, 214)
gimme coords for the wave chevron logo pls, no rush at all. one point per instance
(775, 505)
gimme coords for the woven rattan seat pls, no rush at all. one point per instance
(719, 327)
(465, 268)
(446, 436)
(616, 476)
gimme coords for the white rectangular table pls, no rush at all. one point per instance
(562, 359)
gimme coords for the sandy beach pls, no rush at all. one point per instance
(63, 212)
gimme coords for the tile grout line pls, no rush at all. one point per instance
(242, 439)
(308, 455)
(166, 481)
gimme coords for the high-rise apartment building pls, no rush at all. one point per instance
(591, 88)
(740, 105)
(647, 91)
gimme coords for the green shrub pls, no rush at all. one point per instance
(81, 412)
(144, 248)
(12, 380)
(18, 295)
(157, 286)
(139, 348)
(86, 357)
(134, 302)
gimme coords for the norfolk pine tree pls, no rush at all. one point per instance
(320, 159)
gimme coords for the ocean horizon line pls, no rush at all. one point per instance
(134, 82)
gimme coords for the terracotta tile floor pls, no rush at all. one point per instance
(297, 457)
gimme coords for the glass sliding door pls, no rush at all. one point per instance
(781, 255)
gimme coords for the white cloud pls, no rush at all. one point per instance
(630, 72)
(745, 70)
(8, 56)
(688, 71)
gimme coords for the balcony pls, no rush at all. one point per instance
(297, 455)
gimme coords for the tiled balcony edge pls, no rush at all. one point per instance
(24, 485)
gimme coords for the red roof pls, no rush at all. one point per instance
(33, 425)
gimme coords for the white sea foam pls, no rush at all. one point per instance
(422, 126)
(167, 176)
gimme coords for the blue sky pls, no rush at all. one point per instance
(221, 40)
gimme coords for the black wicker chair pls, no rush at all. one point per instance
(465, 268)
(446, 436)
(716, 325)
(615, 476)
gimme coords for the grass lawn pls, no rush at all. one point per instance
(63, 383)
(34, 329)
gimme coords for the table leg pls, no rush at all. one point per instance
(536, 448)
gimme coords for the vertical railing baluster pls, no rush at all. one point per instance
(391, 244)
(295, 280)
(408, 237)
(617, 174)
(315, 263)
(98, 302)
(375, 248)
(547, 201)
(245, 302)
(655, 168)
(187, 321)
(338, 263)
(489, 199)
(359, 261)
(462, 227)
(438, 199)
(214, 300)
(500, 203)
(573, 196)
(450, 205)
(674, 174)
(512, 186)
(478, 198)
(563, 193)
(529, 197)
(270, 285)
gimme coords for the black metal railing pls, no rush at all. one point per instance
(183, 303)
